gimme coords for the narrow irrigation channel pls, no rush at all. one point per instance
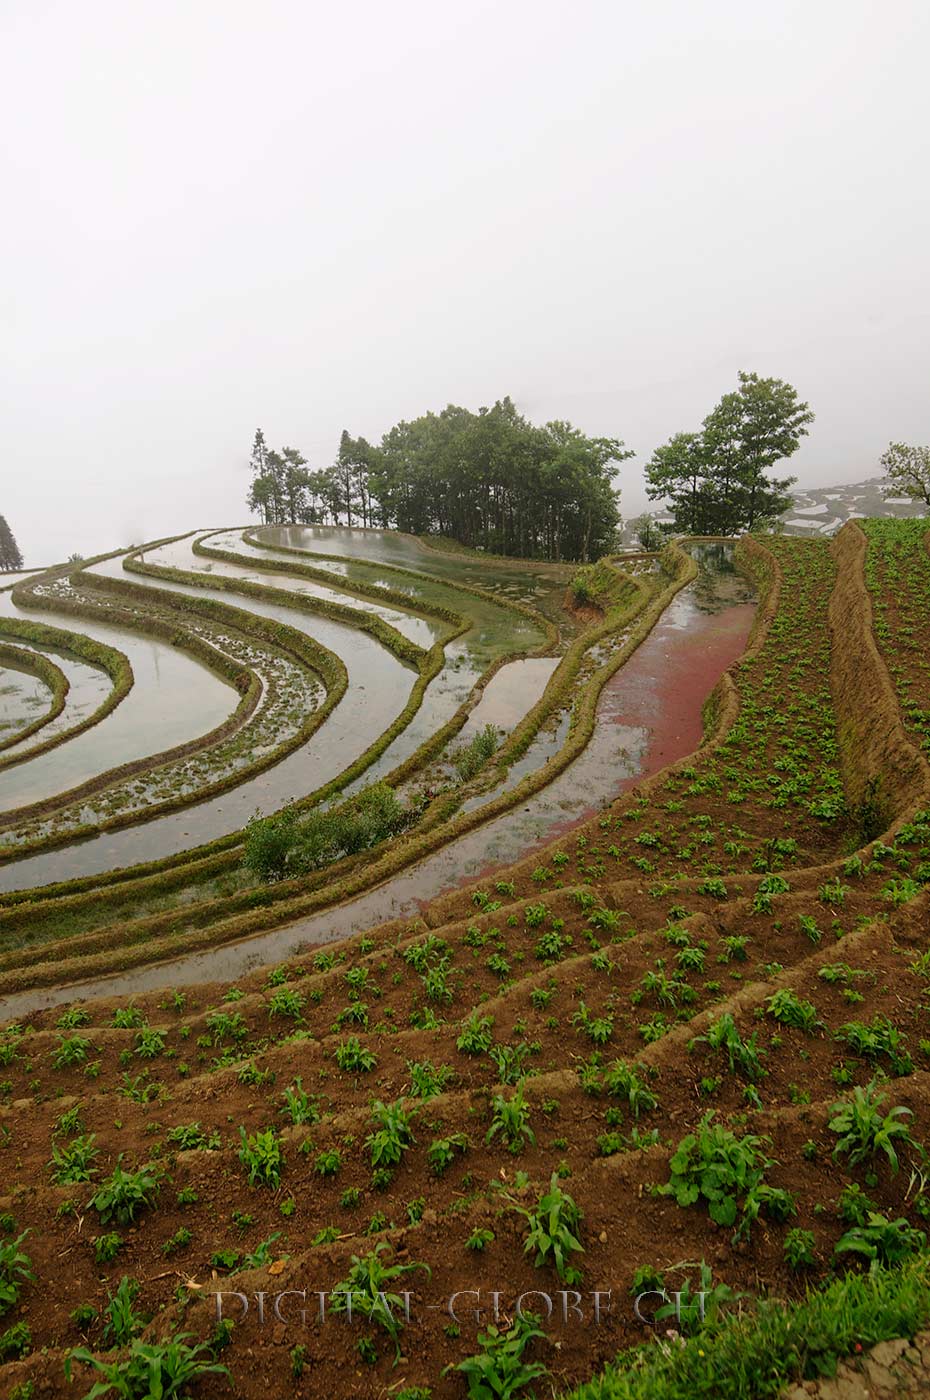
(649, 714)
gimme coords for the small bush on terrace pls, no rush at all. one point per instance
(553, 1231)
(123, 1194)
(863, 1130)
(366, 1291)
(728, 1172)
(151, 1368)
(499, 1369)
(286, 844)
(15, 1270)
(262, 1157)
(468, 758)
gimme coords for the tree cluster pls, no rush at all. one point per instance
(10, 556)
(283, 491)
(491, 480)
(715, 480)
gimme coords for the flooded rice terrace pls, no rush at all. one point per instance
(648, 715)
(379, 687)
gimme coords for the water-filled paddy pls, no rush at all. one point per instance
(379, 686)
(174, 699)
(179, 554)
(496, 631)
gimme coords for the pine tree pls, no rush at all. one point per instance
(10, 557)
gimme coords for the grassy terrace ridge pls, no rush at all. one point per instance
(239, 913)
(405, 650)
(757, 1355)
(698, 1060)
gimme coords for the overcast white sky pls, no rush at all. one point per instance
(315, 216)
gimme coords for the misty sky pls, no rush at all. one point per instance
(310, 217)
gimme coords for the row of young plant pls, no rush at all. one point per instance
(766, 795)
(897, 572)
(733, 1167)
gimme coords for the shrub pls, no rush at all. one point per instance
(787, 1008)
(743, 1056)
(328, 1162)
(880, 1038)
(298, 1105)
(352, 1056)
(106, 1247)
(426, 1079)
(286, 844)
(727, 1171)
(15, 1270)
(165, 1369)
(16, 1341)
(75, 1162)
(441, 1152)
(366, 1291)
(287, 1002)
(123, 1194)
(475, 1037)
(511, 1118)
(262, 1157)
(799, 1249)
(122, 1323)
(882, 1241)
(190, 1137)
(622, 1082)
(72, 1050)
(392, 1135)
(468, 758)
(553, 1231)
(863, 1130)
(498, 1369)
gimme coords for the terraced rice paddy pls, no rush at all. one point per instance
(627, 993)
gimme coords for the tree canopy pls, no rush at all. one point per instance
(908, 471)
(490, 479)
(716, 480)
(10, 556)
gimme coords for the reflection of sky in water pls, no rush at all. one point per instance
(496, 629)
(377, 691)
(509, 693)
(22, 701)
(179, 555)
